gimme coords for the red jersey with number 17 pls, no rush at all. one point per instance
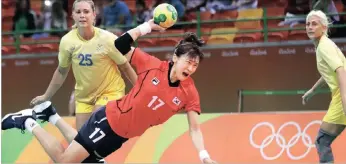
(152, 100)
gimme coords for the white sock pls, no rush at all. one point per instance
(30, 124)
(54, 118)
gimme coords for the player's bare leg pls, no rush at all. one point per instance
(75, 152)
(326, 135)
(46, 112)
(26, 120)
(67, 130)
(81, 118)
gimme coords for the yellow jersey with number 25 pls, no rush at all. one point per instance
(94, 64)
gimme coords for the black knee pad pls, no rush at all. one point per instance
(323, 146)
(324, 138)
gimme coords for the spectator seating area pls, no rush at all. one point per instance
(213, 32)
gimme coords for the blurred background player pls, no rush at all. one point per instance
(95, 61)
(331, 64)
(24, 18)
(163, 89)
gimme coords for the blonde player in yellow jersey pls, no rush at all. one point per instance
(331, 64)
(95, 61)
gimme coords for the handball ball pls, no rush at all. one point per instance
(165, 15)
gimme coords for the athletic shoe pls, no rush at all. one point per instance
(17, 120)
(44, 111)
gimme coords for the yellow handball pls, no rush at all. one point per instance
(165, 15)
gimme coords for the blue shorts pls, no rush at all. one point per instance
(98, 138)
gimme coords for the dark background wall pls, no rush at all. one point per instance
(219, 77)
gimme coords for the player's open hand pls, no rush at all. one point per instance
(155, 27)
(39, 100)
(307, 95)
(208, 161)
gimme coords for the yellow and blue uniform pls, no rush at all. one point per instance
(329, 58)
(94, 64)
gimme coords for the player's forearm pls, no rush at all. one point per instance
(341, 74)
(197, 139)
(142, 29)
(124, 42)
(318, 84)
(135, 33)
(56, 82)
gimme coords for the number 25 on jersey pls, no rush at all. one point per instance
(85, 60)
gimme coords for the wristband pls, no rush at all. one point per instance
(144, 28)
(203, 155)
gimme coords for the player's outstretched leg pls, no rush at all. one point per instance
(46, 112)
(26, 119)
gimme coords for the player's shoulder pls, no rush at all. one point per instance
(150, 60)
(325, 43)
(189, 88)
(104, 34)
(70, 37)
(188, 83)
(103, 31)
(162, 65)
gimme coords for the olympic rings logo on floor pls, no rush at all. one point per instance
(281, 141)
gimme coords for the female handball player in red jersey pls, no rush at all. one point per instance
(163, 88)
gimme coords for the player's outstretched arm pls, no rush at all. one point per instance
(197, 137)
(123, 43)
